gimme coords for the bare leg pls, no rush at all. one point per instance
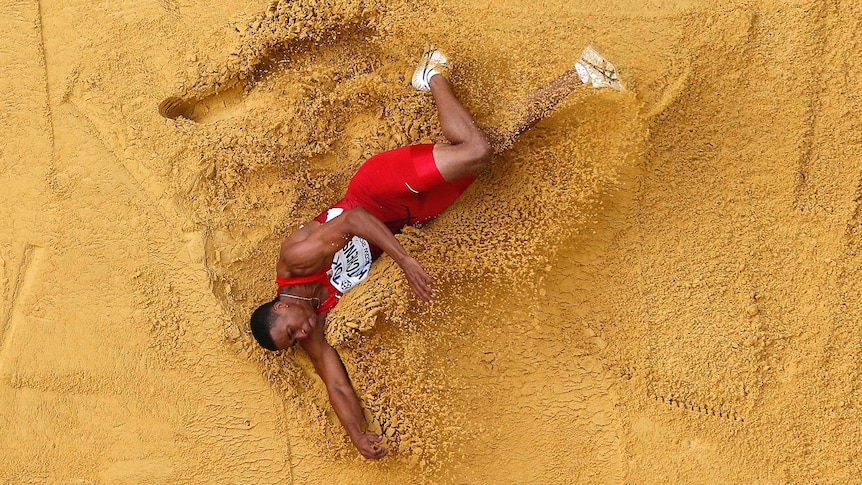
(539, 104)
(469, 150)
(472, 148)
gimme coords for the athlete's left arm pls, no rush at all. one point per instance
(328, 238)
(361, 223)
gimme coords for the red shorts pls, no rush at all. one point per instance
(402, 187)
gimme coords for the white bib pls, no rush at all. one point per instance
(352, 263)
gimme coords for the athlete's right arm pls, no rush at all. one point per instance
(343, 398)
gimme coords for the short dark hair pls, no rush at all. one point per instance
(262, 321)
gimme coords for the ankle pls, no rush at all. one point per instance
(435, 77)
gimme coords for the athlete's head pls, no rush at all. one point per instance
(277, 325)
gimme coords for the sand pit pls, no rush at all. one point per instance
(655, 285)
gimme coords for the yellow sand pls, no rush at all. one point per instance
(660, 285)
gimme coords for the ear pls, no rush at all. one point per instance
(280, 306)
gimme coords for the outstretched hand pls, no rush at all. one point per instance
(419, 280)
(367, 444)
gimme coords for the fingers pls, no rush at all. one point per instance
(424, 283)
(422, 289)
(374, 453)
(378, 453)
(369, 449)
(428, 282)
(419, 281)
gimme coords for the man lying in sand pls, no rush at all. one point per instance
(331, 254)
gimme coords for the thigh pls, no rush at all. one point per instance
(455, 162)
(396, 174)
(432, 203)
(402, 187)
(382, 174)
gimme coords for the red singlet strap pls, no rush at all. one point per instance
(322, 278)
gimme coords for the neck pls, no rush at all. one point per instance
(306, 293)
(314, 302)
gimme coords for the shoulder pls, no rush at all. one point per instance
(302, 233)
(316, 345)
(300, 253)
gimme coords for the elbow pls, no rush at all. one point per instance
(484, 152)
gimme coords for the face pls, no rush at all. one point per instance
(293, 324)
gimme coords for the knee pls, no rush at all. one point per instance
(481, 151)
(474, 154)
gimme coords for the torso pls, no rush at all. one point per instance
(347, 268)
(352, 263)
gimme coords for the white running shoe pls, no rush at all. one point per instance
(594, 69)
(433, 62)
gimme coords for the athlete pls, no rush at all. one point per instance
(331, 254)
